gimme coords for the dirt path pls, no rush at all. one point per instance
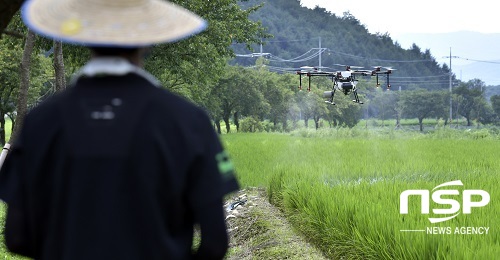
(258, 230)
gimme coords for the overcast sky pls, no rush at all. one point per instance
(405, 20)
(424, 16)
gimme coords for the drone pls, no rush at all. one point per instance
(344, 81)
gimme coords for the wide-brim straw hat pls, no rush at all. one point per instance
(111, 23)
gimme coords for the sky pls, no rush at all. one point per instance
(409, 22)
(424, 16)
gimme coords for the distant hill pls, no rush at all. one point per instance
(489, 73)
(297, 31)
(467, 45)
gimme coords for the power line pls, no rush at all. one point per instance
(420, 77)
(301, 58)
(483, 61)
(382, 60)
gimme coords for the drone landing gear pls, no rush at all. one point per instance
(356, 98)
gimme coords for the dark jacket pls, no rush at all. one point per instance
(116, 168)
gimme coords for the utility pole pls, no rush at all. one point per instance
(451, 103)
(261, 48)
(320, 51)
(451, 77)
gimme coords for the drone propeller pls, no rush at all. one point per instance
(311, 69)
(379, 68)
(348, 67)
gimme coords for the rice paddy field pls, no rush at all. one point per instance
(341, 188)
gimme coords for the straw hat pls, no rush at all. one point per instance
(111, 23)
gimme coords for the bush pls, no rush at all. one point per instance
(251, 125)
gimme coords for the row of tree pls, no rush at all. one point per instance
(31, 69)
(263, 95)
(258, 95)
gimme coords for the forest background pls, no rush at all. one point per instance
(226, 71)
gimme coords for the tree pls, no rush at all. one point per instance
(422, 104)
(276, 91)
(60, 77)
(495, 103)
(10, 53)
(468, 96)
(35, 74)
(386, 105)
(236, 93)
(22, 102)
(199, 61)
(484, 113)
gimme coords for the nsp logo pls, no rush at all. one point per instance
(437, 197)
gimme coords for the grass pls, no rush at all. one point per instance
(4, 254)
(340, 188)
(8, 128)
(343, 193)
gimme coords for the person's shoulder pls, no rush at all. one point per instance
(166, 100)
(48, 108)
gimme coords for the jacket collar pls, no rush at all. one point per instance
(112, 66)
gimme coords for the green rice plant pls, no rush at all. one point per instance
(343, 193)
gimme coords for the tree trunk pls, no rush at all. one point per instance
(2, 128)
(421, 124)
(316, 122)
(22, 100)
(228, 127)
(398, 121)
(285, 125)
(236, 121)
(8, 9)
(59, 66)
(217, 126)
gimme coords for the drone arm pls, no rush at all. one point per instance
(300, 81)
(309, 88)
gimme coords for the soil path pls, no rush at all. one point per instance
(258, 230)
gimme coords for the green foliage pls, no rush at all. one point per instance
(251, 125)
(469, 99)
(11, 51)
(199, 61)
(495, 103)
(423, 104)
